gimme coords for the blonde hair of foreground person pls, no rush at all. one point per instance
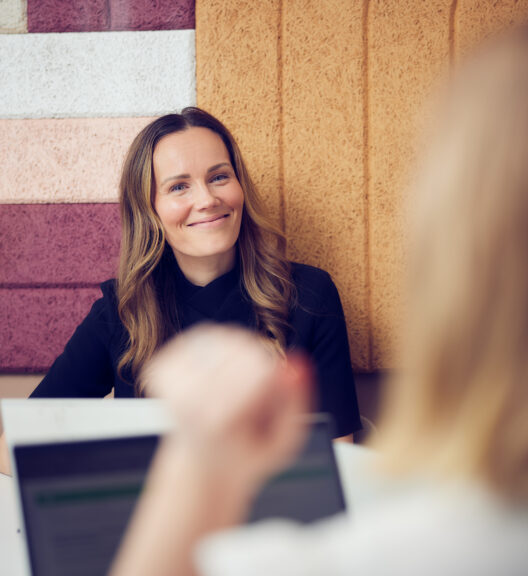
(460, 408)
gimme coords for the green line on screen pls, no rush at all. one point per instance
(87, 495)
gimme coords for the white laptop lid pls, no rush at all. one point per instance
(44, 420)
(41, 421)
(77, 496)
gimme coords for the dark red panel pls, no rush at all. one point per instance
(68, 15)
(149, 15)
(37, 323)
(42, 244)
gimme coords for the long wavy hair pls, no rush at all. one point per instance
(147, 302)
(461, 406)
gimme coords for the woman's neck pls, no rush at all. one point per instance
(202, 271)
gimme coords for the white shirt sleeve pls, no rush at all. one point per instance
(274, 547)
(460, 532)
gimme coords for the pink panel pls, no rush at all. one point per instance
(148, 15)
(66, 160)
(67, 15)
(100, 15)
(42, 244)
(36, 324)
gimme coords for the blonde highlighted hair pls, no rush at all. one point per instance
(461, 405)
(147, 303)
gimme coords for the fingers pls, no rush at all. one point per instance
(287, 431)
(236, 403)
(210, 368)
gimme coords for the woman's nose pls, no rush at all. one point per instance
(204, 198)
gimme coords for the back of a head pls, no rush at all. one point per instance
(461, 407)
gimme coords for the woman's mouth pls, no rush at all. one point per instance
(210, 221)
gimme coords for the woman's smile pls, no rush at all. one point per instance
(210, 222)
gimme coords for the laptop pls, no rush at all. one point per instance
(77, 496)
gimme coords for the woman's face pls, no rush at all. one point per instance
(198, 199)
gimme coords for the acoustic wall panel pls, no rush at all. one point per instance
(58, 244)
(408, 51)
(37, 323)
(98, 74)
(101, 15)
(323, 153)
(148, 15)
(13, 17)
(69, 16)
(64, 160)
(475, 20)
(52, 260)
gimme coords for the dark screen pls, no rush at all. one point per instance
(77, 497)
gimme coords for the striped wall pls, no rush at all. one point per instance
(325, 98)
(79, 80)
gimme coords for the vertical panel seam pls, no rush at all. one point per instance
(366, 180)
(452, 32)
(280, 64)
(109, 15)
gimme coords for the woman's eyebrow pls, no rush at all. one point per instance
(186, 176)
(177, 177)
(216, 166)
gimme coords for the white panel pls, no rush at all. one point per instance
(76, 75)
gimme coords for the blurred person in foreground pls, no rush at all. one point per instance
(456, 425)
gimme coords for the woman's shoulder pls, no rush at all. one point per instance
(105, 307)
(307, 273)
(314, 285)
(109, 289)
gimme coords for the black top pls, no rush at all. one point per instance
(88, 365)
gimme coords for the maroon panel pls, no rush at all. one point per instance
(42, 244)
(149, 15)
(37, 323)
(68, 15)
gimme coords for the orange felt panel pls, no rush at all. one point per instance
(477, 19)
(324, 160)
(408, 49)
(238, 65)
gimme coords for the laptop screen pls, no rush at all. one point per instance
(77, 497)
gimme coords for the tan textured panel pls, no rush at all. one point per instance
(324, 180)
(408, 52)
(68, 160)
(237, 80)
(476, 19)
(13, 16)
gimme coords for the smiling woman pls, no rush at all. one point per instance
(197, 246)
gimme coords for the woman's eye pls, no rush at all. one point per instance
(219, 177)
(178, 187)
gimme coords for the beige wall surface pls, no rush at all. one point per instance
(326, 100)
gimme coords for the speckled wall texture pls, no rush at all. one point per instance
(98, 15)
(326, 99)
(50, 279)
(96, 74)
